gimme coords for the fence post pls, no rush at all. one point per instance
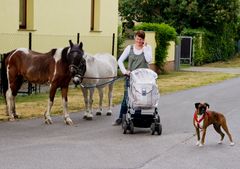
(113, 43)
(78, 38)
(30, 41)
(177, 57)
(29, 47)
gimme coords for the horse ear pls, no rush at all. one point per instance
(81, 45)
(70, 42)
(207, 105)
(196, 105)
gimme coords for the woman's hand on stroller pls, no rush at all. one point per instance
(127, 74)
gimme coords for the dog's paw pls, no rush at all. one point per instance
(232, 144)
(200, 145)
(220, 142)
(197, 143)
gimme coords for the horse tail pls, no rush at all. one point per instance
(4, 79)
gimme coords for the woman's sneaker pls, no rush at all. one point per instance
(117, 122)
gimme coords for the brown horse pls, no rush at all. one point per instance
(56, 67)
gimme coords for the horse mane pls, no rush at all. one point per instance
(53, 51)
(64, 54)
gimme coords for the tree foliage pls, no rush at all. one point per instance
(181, 13)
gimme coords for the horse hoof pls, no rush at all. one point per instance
(109, 113)
(89, 118)
(68, 121)
(98, 113)
(48, 121)
(11, 119)
(16, 116)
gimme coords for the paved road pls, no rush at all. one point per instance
(30, 144)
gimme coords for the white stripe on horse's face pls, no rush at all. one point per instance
(68, 51)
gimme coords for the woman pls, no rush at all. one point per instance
(139, 55)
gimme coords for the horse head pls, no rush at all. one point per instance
(77, 64)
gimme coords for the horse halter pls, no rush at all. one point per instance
(78, 69)
(78, 65)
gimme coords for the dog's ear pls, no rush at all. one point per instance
(196, 105)
(207, 105)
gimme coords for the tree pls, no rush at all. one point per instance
(181, 13)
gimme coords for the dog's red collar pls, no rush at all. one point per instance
(200, 120)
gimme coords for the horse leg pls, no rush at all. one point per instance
(15, 115)
(19, 82)
(86, 101)
(6, 106)
(11, 94)
(10, 104)
(110, 91)
(67, 118)
(100, 110)
(47, 117)
(11, 108)
(90, 115)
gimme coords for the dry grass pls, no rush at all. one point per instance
(233, 63)
(35, 105)
(177, 81)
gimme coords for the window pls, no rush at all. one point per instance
(95, 15)
(22, 14)
(26, 14)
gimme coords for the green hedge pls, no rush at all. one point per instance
(163, 35)
(211, 46)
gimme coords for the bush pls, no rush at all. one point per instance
(120, 41)
(212, 46)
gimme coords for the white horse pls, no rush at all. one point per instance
(101, 71)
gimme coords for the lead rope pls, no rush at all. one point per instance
(114, 78)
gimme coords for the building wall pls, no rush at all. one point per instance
(54, 22)
(9, 11)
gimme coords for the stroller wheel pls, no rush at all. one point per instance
(157, 118)
(124, 122)
(153, 127)
(159, 129)
(131, 126)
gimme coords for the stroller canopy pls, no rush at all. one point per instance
(143, 75)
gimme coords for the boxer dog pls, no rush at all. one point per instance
(204, 117)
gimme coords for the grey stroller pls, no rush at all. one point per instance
(143, 97)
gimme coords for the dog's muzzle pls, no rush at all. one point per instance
(202, 110)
